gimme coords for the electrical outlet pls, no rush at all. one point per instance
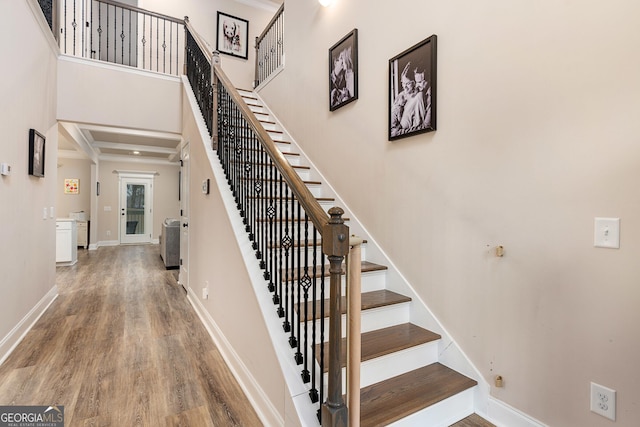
(108, 233)
(603, 401)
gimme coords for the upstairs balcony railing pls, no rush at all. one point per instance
(270, 48)
(114, 32)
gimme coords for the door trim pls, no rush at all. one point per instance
(142, 176)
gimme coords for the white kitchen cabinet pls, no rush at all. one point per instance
(66, 241)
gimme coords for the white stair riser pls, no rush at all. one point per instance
(372, 319)
(394, 364)
(442, 414)
(370, 281)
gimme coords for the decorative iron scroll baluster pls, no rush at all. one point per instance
(74, 24)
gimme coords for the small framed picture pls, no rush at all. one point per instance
(412, 90)
(343, 71)
(71, 186)
(36, 153)
(233, 35)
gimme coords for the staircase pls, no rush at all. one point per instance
(403, 381)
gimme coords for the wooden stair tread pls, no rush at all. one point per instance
(398, 397)
(370, 300)
(473, 420)
(386, 341)
(365, 267)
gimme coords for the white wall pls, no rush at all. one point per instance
(27, 252)
(537, 135)
(77, 169)
(115, 95)
(232, 311)
(165, 196)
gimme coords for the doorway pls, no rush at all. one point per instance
(183, 275)
(136, 208)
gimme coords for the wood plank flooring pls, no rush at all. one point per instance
(122, 346)
(473, 420)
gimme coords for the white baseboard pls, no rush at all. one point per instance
(504, 415)
(256, 395)
(13, 338)
(108, 243)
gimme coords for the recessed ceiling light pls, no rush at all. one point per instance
(137, 153)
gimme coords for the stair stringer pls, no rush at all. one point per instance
(449, 353)
(297, 390)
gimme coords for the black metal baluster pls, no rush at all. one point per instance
(301, 250)
(64, 29)
(157, 44)
(315, 318)
(74, 24)
(91, 32)
(107, 33)
(83, 44)
(304, 320)
(280, 247)
(270, 274)
(164, 45)
(286, 244)
(261, 254)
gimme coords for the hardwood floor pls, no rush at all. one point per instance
(122, 346)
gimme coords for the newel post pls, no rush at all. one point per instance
(335, 244)
(214, 93)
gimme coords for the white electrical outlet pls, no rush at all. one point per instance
(603, 401)
(108, 233)
(205, 293)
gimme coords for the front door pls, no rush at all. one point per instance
(136, 199)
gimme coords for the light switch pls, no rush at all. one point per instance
(607, 233)
(44, 213)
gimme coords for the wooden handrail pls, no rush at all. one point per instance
(307, 200)
(202, 43)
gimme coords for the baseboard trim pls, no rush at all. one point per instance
(108, 243)
(504, 415)
(256, 395)
(17, 334)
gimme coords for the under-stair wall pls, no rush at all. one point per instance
(231, 312)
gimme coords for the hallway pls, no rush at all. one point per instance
(122, 346)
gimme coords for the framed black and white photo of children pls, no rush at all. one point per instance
(412, 90)
(232, 36)
(36, 153)
(343, 71)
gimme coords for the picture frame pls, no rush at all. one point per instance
(36, 153)
(412, 90)
(232, 36)
(343, 71)
(71, 186)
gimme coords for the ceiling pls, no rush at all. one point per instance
(117, 144)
